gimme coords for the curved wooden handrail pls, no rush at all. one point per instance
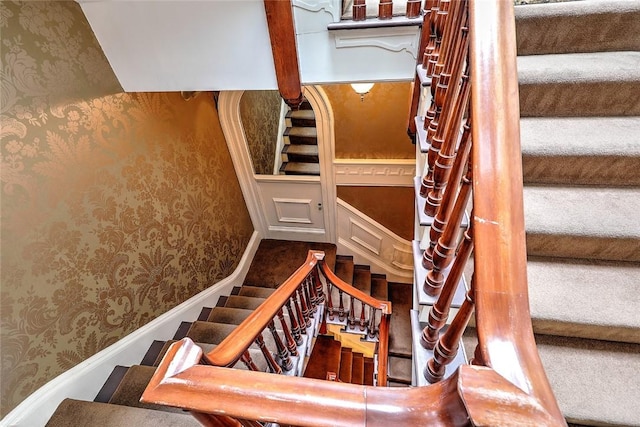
(505, 334)
(240, 339)
(385, 306)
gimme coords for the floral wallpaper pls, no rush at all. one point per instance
(116, 207)
(372, 128)
(260, 114)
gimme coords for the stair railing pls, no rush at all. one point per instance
(506, 383)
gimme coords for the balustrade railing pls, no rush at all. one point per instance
(472, 132)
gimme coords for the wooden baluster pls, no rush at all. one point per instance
(449, 198)
(359, 9)
(363, 320)
(318, 284)
(291, 343)
(413, 8)
(352, 313)
(444, 250)
(416, 90)
(295, 327)
(447, 347)
(440, 310)
(273, 366)
(447, 138)
(306, 319)
(431, 9)
(248, 361)
(341, 312)
(307, 297)
(283, 354)
(445, 93)
(385, 9)
(372, 323)
(301, 321)
(312, 292)
(330, 308)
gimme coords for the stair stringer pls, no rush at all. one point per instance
(369, 242)
(83, 381)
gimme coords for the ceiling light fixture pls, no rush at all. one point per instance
(362, 89)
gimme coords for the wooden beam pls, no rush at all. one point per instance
(285, 55)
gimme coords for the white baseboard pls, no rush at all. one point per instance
(85, 380)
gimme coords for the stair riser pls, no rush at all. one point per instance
(291, 122)
(587, 99)
(582, 170)
(583, 247)
(292, 139)
(299, 158)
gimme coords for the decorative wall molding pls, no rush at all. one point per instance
(379, 173)
(371, 243)
(332, 7)
(394, 39)
(293, 210)
(85, 380)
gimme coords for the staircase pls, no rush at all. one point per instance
(579, 75)
(300, 151)
(118, 402)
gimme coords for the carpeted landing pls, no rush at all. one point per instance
(118, 402)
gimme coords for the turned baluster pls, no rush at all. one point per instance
(313, 295)
(413, 8)
(352, 313)
(301, 321)
(439, 22)
(363, 320)
(431, 10)
(273, 366)
(444, 249)
(306, 320)
(447, 347)
(248, 361)
(307, 297)
(372, 323)
(330, 308)
(448, 200)
(318, 285)
(341, 312)
(359, 9)
(385, 9)
(295, 327)
(447, 138)
(440, 310)
(283, 354)
(291, 343)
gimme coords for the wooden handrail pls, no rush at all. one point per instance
(505, 334)
(240, 339)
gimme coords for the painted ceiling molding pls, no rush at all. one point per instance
(374, 172)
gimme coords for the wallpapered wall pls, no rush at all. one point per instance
(375, 128)
(115, 207)
(260, 115)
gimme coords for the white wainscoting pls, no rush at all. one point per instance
(371, 243)
(371, 172)
(83, 381)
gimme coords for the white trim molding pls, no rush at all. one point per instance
(371, 243)
(393, 39)
(332, 7)
(373, 172)
(85, 379)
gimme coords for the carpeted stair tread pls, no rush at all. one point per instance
(569, 222)
(255, 291)
(303, 133)
(580, 84)
(229, 315)
(357, 369)
(362, 278)
(379, 287)
(255, 354)
(276, 260)
(401, 296)
(300, 168)
(325, 357)
(209, 332)
(204, 346)
(301, 118)
(369, 371)
(400, 370)
(248, 303)
(346, 361)
(595, 382)
(584, 26)
(301, 150)
(581, 150)
(79, 413)
(603, 298)
(132, 386)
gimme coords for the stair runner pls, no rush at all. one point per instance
(579, 74)
(118, 402)
(300, 152)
